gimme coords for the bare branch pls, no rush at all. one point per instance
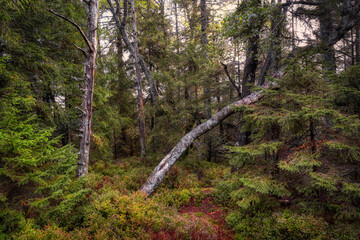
(230, 79)
(81, 49)
(76, 25)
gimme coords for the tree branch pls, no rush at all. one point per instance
(230, 79)
(310, 3)
(350, 16)
(81, 49)
(88, 43)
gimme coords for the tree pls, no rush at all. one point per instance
(207, 92)
(142, 129)
(168, 161)
(332, 27)
(89, 78)
(121, 26)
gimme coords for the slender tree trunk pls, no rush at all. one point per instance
(118, 98)
(88, 89)
(207, 93)
(352, 46)
(168, 161)
(357, 43)
(142, 129)
(177, 48)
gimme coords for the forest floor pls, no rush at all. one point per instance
(206, 210)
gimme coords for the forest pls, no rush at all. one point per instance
(179, 119)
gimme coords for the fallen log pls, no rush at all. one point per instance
(168, 161)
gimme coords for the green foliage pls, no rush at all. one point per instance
(279, 225)
(300, 162)
(297, 179)
(10, 221)
(352, 190)
(347, 89)
(250, 153)
(345, 151)
(302, 154)
(24, 147)
(49, 232)
(323, 181)
(223, 190)
(254, 191)
(294, 226)
(248, 19)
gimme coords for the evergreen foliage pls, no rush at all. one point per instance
(285, 167)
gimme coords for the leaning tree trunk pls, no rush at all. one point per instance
(88, 89)
(142, 129)
(168, 161)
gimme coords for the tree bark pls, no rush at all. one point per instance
(142, 129)
(357, 43)
(326, 28)
(88, 89)
(89, 77)
(207, 93)
(168, 161)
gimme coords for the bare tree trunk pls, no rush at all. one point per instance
(142, 129)
(118, 97)
(352, 46)
(88, 88)
(207, 93)
(357, 42)
(121, 26)
(89, 76)
(168, 161)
